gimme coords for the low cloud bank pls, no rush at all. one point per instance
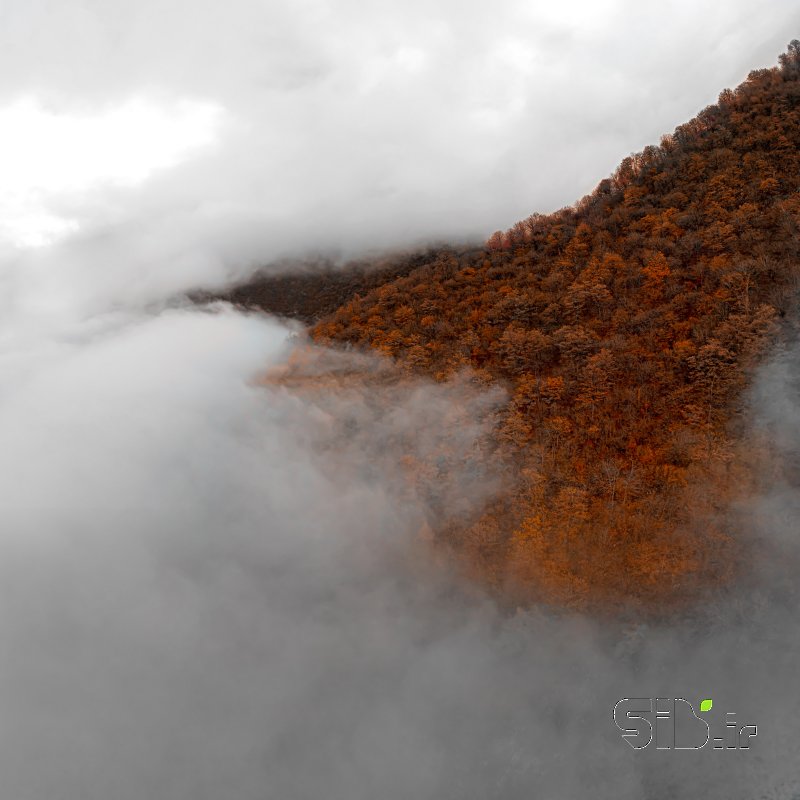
(206, 591)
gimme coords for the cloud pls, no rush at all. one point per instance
(44, 155)
(352, 127)
(190, 561)
(212, 583)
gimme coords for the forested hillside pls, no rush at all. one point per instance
(624, 329)
(308, 291)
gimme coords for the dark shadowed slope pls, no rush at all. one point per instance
(309, 291)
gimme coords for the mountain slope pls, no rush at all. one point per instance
(308, 291)
(624, 329)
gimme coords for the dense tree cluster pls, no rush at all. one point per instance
(308, 290)
(623, 328)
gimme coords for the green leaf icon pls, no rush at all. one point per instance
(705, 705)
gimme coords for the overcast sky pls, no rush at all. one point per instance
(208, 585)
(229, 133)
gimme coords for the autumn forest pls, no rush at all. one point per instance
(623, 330)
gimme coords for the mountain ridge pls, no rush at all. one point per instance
(625, 329)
